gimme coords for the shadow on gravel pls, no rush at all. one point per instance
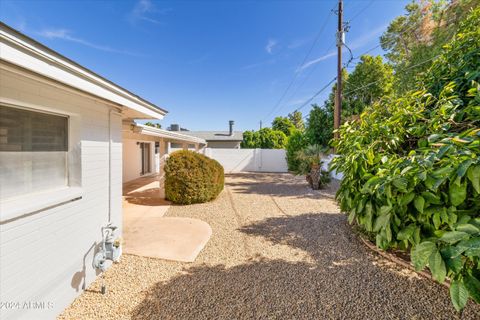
(344, 282)
(280, 185)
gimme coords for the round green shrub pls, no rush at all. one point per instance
(191, 177)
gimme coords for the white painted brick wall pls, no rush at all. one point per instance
(47, 256)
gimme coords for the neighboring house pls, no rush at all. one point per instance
(145, 147)
(60, 173)
(219, 139)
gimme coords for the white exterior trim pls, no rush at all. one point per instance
(170, 135)
(23, 51)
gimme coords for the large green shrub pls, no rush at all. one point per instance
(265, 138)
(192, 178)
(296, 142)
(411, 168)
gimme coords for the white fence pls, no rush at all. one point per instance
(257, 160)
(253, 160)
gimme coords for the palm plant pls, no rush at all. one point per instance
(310, 164)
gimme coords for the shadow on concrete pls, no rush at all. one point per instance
(344, 281)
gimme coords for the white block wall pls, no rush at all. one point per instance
(249, 160)
(46, 256)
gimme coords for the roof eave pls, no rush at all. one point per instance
(23, 51)
(144, 129)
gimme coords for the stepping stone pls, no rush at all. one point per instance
(170, 238)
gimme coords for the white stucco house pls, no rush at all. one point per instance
(145, 148)
(64, 134)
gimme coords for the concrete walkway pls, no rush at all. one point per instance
(278, 251)
(147, 233)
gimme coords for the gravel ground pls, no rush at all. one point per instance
(278, 251)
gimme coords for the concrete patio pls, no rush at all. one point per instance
(147, 233)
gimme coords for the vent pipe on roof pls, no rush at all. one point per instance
(231, 123)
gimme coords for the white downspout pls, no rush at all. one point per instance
(116, 112)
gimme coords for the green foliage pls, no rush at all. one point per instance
(371, 70)
(155, 125)
(411, 167)
(250, 140)
(310, 164)
(191, 177)
(265, 138)
(295, 143)
(271, 139)
(283, 124)
(413, 39)
(297, 119)
(319, 126)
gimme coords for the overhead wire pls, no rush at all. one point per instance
(322, 28)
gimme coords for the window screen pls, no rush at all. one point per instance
(33, 151)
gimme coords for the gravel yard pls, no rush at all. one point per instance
(278, 251)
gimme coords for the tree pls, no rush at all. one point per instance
(414, 39)
(155, 125)
(265, 138)
(297, 119)
(250, 140)
(283, 124)
(319, 125)
(296, 142)
(271, 139)
(370, 70)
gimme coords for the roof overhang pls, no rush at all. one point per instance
(20, 50)
(168, 135)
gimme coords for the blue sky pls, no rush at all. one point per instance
(206, 62)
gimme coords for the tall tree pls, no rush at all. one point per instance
(370, 70)
(414, 39)
(283, 124)
(250, 140)
(319, 128)
(265, 138)
(296, 118)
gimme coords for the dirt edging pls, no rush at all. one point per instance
(399, 261)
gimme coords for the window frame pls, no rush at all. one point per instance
(12, 208)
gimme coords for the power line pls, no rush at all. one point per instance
(315, 95)
(312, 70)
(371, 83)
(322, 28)
(361, 11)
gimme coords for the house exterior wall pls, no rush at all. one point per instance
(224, 144)
(46, 255)
(132, 158)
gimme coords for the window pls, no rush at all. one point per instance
(33, 151)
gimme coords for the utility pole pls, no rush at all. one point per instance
(260, 124)
(338, 97)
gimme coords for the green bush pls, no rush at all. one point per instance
(310, 164)
(295, 143)
(192, 178)
(265, 138)
(411, 168)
